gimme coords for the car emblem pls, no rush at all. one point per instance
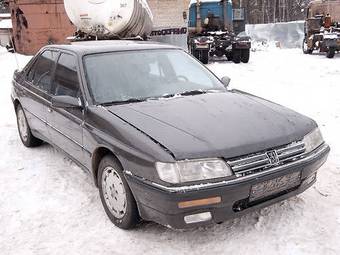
(273, 157)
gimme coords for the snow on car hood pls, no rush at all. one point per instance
(215, 125)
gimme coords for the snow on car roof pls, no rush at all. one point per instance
(91, 47)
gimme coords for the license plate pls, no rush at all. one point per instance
(277, 185)
(205, 46)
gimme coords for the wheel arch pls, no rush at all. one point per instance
(16, 103)
(98, 154)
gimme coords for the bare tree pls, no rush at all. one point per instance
(265, 11)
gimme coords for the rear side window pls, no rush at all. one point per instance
(66, 76)
(41, 72)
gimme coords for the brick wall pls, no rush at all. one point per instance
(38, 23)
(169, 13)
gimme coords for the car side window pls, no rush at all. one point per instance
(41, 72)
(66, 80)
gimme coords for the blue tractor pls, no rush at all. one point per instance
(211, 32)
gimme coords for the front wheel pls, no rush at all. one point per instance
(24, 130)
(331, 53)
(305, 48)
(115, 194)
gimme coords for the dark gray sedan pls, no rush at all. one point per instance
(164, 139)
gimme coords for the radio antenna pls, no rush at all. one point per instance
(13, 47)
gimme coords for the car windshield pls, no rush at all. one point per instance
(133, 76)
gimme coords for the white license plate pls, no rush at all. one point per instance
(274, 186)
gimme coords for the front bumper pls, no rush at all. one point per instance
(160, 203)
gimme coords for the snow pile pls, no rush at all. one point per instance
(287, 35)
(50, 206)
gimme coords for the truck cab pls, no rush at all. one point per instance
(211, 32)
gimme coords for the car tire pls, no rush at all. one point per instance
(26, 136)
(245, 55)
(237, 56)
(305, 48)
(115, 194)
(331, 53)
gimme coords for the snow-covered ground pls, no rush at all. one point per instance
(50, 206)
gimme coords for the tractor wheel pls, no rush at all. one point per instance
(305, 48)
(331, 52)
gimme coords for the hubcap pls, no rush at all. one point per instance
(114, 192)
(22, 125)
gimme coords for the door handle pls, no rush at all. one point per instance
(49, 109)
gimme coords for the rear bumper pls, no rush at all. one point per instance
(160, 204)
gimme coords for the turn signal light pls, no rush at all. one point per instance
(199, 202)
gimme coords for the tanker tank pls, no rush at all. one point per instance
(110, 18)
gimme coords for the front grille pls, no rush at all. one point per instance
(259, 162)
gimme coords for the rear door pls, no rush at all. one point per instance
(67, 123)
(37, 88)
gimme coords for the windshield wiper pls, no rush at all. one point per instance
(186, 93)
(193, 92)
(131, 100)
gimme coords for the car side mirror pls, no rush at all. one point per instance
(226, 81)
(66, 102)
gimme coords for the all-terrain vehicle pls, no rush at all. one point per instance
(210, 32)
(322, 27)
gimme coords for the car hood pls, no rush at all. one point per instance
(224, 125)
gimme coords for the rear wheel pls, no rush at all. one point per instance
(245, 55)
(331, 53)
(115, 194)
(24, 130)
(236, 56)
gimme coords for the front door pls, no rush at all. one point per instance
(66, 124)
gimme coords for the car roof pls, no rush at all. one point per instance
(93, 47)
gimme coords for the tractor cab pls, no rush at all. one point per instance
(322, 30)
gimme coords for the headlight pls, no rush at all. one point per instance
(313, 140)
(193, 170)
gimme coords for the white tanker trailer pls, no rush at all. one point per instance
(106, 19)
